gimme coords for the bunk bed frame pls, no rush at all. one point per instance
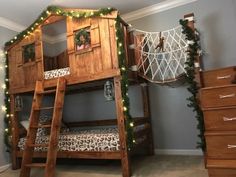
(88, 70)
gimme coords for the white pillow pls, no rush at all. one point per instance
(25, 124)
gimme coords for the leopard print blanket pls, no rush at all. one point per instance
(105, 139)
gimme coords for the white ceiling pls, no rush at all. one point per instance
(24, 12)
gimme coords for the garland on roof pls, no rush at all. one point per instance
(58, 11)
(193, 52)
(124, 83)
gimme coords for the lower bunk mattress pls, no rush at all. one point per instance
(105, 139)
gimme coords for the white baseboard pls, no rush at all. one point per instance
(4, 167)
(197, 152)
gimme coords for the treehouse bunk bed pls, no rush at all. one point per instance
(97, 51)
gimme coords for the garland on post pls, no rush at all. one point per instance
(6, 106)
(129, 124)
(193, 52)
(121, 57)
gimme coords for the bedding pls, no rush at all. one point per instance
(56, 73)
(105, 139)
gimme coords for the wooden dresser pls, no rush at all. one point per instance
(218, 102)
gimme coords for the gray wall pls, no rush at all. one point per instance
(173, 122)
(52, 50)
(5, 35)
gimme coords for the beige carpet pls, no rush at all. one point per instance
(152, 166)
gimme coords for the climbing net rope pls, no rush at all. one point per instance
(162, 55)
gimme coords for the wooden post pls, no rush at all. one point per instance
(125, 158)
(146, 112)
(197, 62)
(15, 133)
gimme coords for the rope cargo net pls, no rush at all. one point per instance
(161, 55)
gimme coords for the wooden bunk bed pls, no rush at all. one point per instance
(88, 70)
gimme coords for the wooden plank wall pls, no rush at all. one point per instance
(22, 74)
(101, 56)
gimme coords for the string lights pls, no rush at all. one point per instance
(124, 83)
(57, 11)
(5, 108)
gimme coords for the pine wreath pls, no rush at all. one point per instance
(85, 34)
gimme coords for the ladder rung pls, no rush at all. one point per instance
(47, 91)
(36, 165)
(38, 145)
(42, 126)
(43, 108)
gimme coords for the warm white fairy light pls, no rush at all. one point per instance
(125, 108)
(120, 44)
(4, 108)
(131, 124)
(4, 86)
(123, 68)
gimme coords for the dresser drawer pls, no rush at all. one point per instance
(220, 119)
(221, 168)
(221, 145)
(216, 172)
(219, 77)
(218, 96)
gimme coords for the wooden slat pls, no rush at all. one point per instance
(42, 126)
(47, 92)
(105, 44)
(38, 145)
(43, 108)
(104, 122)
(36, 165)
(79, 154)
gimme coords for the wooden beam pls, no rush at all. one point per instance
(15, 133)
(146, 111)
(124, 152)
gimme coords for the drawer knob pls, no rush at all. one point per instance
(229, 119)
(227, 96)
(230, 146)
(223, 77)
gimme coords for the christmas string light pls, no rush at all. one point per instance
(6, 105)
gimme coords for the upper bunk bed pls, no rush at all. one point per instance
(89, 49)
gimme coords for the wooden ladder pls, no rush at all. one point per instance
(34, 124)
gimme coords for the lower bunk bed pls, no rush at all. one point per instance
(92, 140)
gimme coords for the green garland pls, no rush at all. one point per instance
(193, 88)
(121, 57)
(57, 11)
(6, 107)
(124, 83)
